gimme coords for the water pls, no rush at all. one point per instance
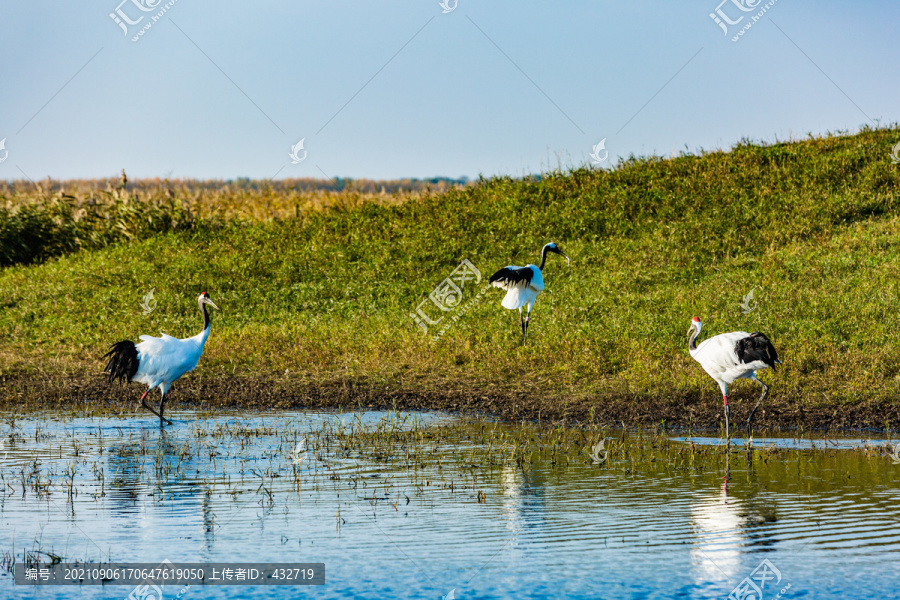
(417, 506)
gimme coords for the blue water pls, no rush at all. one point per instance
(220, 488)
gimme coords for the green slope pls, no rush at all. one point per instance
(324, 299)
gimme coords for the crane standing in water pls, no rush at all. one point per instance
(730, 356)
(158, 361)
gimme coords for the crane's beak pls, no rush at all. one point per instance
(563, 254)
(211, 303)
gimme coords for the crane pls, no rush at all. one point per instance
(730, 356)
(523, 284)
(158, 361)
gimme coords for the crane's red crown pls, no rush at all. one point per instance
(696, 319)
(207, 295)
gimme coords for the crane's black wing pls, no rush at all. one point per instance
(756, 346)
(123, 362)
(509, 277)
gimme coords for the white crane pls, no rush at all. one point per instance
(158, 361)
(730, 356)
(523, 284)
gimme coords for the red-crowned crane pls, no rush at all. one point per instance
(523, 284)
(158, 361)
(730, 356)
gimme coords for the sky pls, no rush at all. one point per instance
(382, 90)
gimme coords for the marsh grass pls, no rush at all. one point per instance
(318, 295)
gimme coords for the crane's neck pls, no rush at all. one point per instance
(692, 341)
(206, 324)
(543, 258)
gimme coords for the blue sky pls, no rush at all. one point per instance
(402, 89)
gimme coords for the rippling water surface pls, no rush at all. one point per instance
(419, 505)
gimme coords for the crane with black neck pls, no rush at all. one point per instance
(158, 362)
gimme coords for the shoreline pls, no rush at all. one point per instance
(23, 392)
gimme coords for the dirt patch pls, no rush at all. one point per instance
(26, 392)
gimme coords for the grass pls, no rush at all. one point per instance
(317, 300)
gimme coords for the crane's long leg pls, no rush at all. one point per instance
(724, 387)
(758, 402)
(527, 320)
(144, 402)
(162, 405)
(150, 408)
(522, 323)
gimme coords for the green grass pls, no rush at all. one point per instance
(324, 297)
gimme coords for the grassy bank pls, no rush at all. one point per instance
(316, 302)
